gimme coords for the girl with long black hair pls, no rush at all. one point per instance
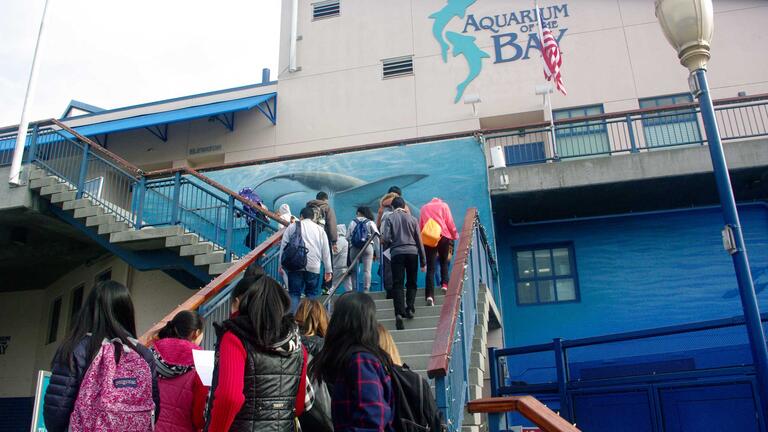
(260, 379)
(107, 314)
(182, 393)
(354, 364)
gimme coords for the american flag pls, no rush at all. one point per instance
(552, 59)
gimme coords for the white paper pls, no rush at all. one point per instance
(204, 365)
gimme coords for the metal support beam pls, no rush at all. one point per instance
(161, 132)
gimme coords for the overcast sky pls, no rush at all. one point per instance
(113, 53)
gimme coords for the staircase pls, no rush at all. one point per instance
(178, 221)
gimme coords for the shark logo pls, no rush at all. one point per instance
(462, 45)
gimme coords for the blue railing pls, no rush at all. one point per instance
(552, 371)
(180, 197)
(631, 131)
(474, 269)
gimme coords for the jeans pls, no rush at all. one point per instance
(302, 282)
(366, 259)
(433, 255)
(405, 269)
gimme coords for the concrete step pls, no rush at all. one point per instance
(416, 362)
(100, 220)
(145, 239)
(62, 197)
(413, 334)
(88, 211)
(36, 173)
(415, 347)
(76, 204)
(416, 323)
(217, 269)
(42, 182)
(182, 240)
(196, 249)
(209, 258)
(54, 189)
(421, 311)
(383, 303)
(115, 227)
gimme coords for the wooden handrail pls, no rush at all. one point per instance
(216, 285)
(529, 407)
(449, 314)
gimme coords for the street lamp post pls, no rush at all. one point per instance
(688, 26)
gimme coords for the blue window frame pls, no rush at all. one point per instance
(546, 274)
(669, 128)
(582, 138)
(521, 154)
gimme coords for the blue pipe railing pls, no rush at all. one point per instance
(631, 131)
(179, 197)
(680, 352)
(474, 268)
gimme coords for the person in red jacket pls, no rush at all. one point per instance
(438, 210)
(182, 394)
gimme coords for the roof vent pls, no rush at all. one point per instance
(396, 67)
(326, 9)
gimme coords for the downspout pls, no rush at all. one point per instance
(294, 36)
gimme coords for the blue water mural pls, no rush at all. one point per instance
(453, 170)
(635, 272)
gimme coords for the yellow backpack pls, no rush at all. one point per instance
(431, 233)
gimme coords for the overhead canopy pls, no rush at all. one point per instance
(154, 122)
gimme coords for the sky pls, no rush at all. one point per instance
(114, 53)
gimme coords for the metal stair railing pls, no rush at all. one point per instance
(180, 196)
(474, 268)
(350, 268)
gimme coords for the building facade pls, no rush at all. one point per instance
(608, 225)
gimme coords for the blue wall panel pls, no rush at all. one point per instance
(637, 272)
(727, 407)
(628, 411)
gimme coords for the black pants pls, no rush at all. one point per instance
(440, 252)
(405, 269)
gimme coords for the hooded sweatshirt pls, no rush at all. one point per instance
(330, 219)
(340, 258)
(182, 394)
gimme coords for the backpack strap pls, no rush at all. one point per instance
(301, 394)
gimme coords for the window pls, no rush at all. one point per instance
(103, 276)
(521, 154)
(668, 128)
(546, 275)
(326, 9)
(396, 67)
(53, 323)
(581, 138)
(75, 304)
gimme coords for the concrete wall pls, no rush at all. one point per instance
(634, 272)
(25, 317)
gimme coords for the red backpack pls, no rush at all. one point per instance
(115, 395)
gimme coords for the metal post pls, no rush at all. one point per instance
(175, 211)
(33, 144)
(141, 188)
(732, 232)
(631, 131)
(493, 365)
(229, 222)
(83, 171)
(561, 364)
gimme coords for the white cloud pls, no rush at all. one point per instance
(113, 53)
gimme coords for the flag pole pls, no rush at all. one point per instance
(21, 136)
(547, 97)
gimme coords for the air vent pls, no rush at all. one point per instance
(326, 9)
(396, 67)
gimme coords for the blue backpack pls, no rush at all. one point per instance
(360, 234)
(295, 253)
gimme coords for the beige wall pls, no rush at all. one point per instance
(25, 316)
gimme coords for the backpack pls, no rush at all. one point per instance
(318, 216)
(360, 234)
(115, 394)
(415, 407)
(431, 233)
(295, 253)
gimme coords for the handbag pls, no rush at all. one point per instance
(318, 417)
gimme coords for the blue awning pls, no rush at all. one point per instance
(262, 102)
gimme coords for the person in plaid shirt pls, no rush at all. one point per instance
(351, 359)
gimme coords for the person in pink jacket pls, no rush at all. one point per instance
(438, 210)
(182, 394)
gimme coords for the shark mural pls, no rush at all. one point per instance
(461, 44)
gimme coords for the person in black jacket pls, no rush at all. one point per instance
(313, 323)
(107, 314)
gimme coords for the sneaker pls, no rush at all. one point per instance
(430, 301)
(408, 314)
(399, 322)
(444, 288)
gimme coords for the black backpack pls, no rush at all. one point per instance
(415, 407)
(295, 253)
